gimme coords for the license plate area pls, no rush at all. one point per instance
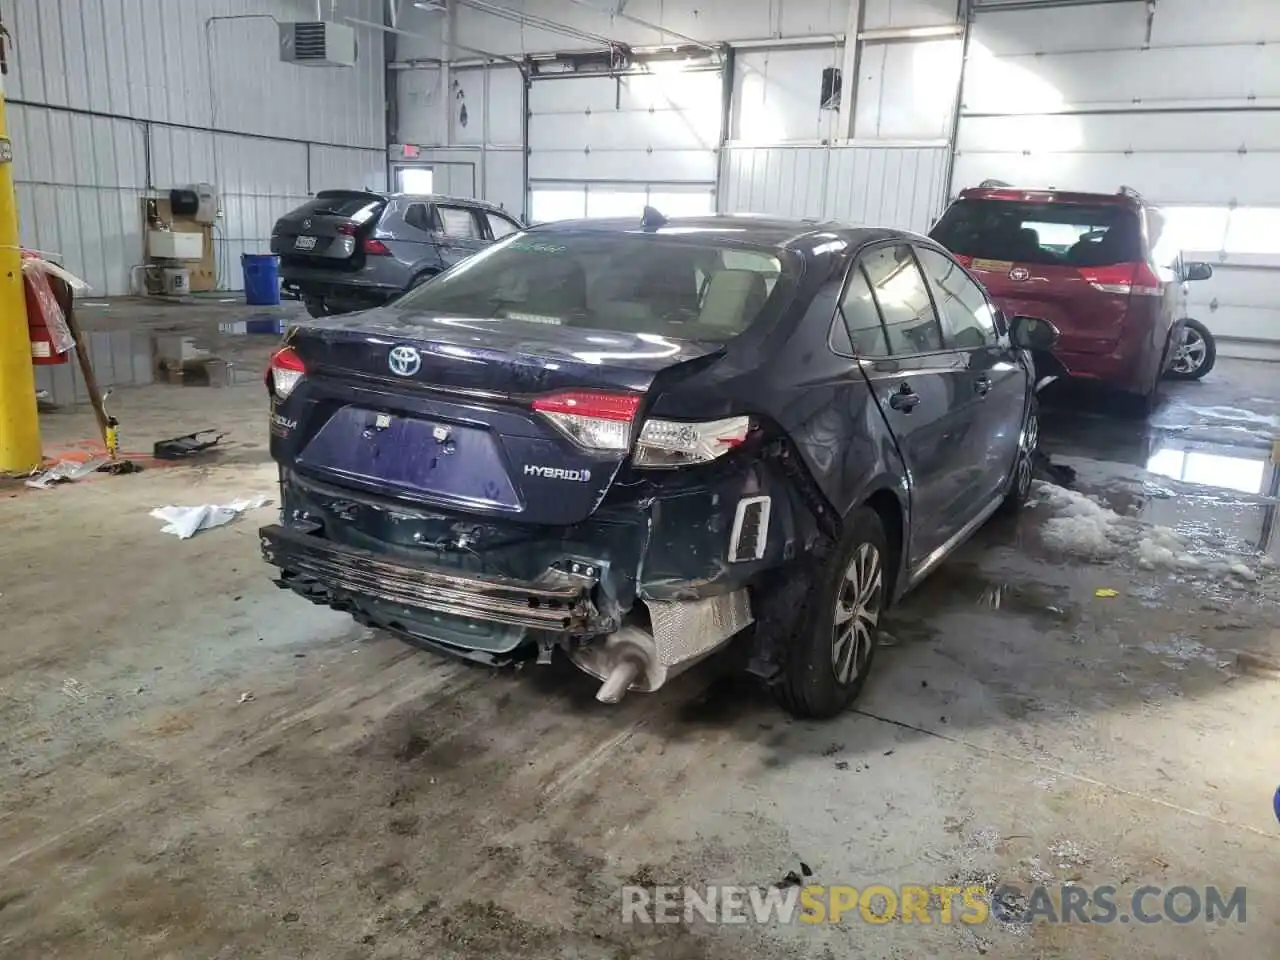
(462, 464)
(305, 243)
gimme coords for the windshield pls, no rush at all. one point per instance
(353, 206)
(672, 286)
(1068, 234)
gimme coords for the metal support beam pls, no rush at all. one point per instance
(19, 420)
(850, 64)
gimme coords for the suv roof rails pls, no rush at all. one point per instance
(1130, 193)
(989, 184)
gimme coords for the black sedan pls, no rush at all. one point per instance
(630, 443)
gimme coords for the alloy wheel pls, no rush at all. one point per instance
(857, 613)
(1191, 352)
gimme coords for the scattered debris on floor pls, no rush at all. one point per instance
(66, 471)
(1106, 593)
(245, 697)
(186, 522)
(177, 448)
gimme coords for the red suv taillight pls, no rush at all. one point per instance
(1137, 279)
(347, 229)
(605, 421)
(375, 248)
(285, 371)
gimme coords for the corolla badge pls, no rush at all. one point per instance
(1019, 273)
(404, 361)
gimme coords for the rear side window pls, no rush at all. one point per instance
(458, 222)
(1050, 234)
(900, 291)
(666, 286)
(417, 216)
(967, 320)
(350, 206)
(500, 227)
(861, 318)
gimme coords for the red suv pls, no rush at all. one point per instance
(1084, 262)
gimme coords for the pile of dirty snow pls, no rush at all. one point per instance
(1084, 527)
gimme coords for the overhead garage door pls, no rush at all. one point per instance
(1182, 107)
(607, 146)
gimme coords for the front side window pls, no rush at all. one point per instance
(668, 286)
(967, 318)
(900, 291)
(458, 222)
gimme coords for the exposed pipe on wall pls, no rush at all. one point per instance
(541, 23)
(648, 25)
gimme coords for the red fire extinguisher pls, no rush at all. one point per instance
(46, 314)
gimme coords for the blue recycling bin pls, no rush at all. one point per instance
(261, 278)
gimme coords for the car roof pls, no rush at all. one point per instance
(1122, 198)
(425, 197)
(803, 236)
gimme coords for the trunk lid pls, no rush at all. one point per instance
(442, 410)
(1069, 258)
(327, 230)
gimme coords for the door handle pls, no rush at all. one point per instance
(904, 399)
(982, 386)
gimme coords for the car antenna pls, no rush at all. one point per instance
(652, 219)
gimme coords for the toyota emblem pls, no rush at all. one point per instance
(1019, 273)
(306, 224)
(404, 361)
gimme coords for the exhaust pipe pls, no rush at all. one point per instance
(685, 631)
(626, 660)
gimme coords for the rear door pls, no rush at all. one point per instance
(408, 231)
(459, 232)
(326, 231)
(996, 377)
(924, 390)
(1074, 264)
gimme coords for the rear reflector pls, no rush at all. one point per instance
(375, 248)
(285, 371)
(591, 418)
(671, 443)
(1125, 279)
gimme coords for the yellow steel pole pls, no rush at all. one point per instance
(19, 421)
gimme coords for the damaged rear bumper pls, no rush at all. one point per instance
(558, 602)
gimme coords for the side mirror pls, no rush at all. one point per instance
(1196, 271)
(1032, 333)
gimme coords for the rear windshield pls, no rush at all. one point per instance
(1069, 234)
(670, 286)
(350, 206)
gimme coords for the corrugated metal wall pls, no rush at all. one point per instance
(875, 185)
(115, 100)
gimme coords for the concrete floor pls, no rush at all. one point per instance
(370, 801)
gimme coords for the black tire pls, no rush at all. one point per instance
(820, 676)
(1200, 352)
(1024, 469)
(316, 306)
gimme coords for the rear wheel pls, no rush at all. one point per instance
(316, 306)
(831, 650)
(1195, 354)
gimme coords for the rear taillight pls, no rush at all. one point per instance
(671, 443)
(591, 418)
(285, 371)
(604, 421)
(963, 260)
(347, 229)
(1137, 279)
(375, 248)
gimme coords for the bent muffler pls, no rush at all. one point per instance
(684, 631)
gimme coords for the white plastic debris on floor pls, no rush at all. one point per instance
(1088, 529)
(185, 522)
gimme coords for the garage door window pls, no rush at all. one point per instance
(663, 286)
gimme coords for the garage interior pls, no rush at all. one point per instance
(198, 764)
